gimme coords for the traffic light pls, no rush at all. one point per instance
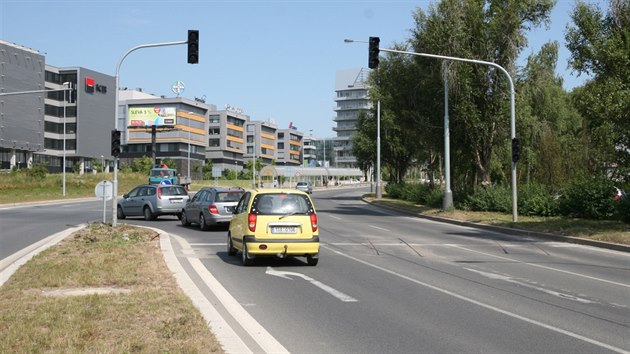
(516, 150)
(373, 52)
(116, 147)
(193, 47)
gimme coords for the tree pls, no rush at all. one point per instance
(408, 127)
(548, 124)
(207, 170)
(490, 30)
(600, 46)
(142, 164)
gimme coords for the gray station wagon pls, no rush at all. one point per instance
(153, 200)
(305, 187)
(211, 207)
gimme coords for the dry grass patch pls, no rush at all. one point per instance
(145, 312)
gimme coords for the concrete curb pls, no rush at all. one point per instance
(541, 235)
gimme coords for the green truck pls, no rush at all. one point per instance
(160, 175)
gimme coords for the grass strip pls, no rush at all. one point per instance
(102, 289)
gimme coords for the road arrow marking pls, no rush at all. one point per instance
(336, 293)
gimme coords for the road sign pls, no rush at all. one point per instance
(104, 190)
(216, 172)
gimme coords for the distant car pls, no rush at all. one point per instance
(153, 200)
(274, 222)
(305, 187)
(618, 193)
(211, 207)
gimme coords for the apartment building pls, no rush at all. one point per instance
(309, 156)
(160, 127)
(289, 150)
(261, 141)
(226, 138)
(351, 91)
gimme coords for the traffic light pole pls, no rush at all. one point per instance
(512, 106)
(115, 181)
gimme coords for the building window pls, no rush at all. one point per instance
(214, 142)
(214, 118)
(235, 121)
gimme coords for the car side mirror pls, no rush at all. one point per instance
(126, 196)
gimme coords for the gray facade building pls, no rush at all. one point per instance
(34, 126)
(289, 151)
(226, 139)
(351, 90)
(21, 116)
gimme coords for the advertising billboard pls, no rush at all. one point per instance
(158, 115)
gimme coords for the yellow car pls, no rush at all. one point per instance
(274, 222)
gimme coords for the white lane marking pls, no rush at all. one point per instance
(207, 244)
(531, 286)
(484, 305)
(263, 338)
(224, 333)
(334, 292)
(334, 217)
(590, 248)
(379, 228)
(544, 267)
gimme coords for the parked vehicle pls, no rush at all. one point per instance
(273, 222)
(211, 207)
(152, 200)
(165, 175)
(618, 193)
(305, 187)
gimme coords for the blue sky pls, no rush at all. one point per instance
(274, 59)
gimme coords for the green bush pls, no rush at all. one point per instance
(535, 199)
(589, 199)
(435, 197)
(623, 209)
(417, 193)
(394, 191)
(38, 172)
(491, 198)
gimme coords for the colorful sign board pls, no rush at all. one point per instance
(158, 115)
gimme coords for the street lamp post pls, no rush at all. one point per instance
(189, 147)
(379, 193)
(102, 164)
(325, 152)
(65, 92)
(512, 106)
(254, 163)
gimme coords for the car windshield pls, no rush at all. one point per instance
(226, 197)
(174, 190)
(161, 173)
(282, 204)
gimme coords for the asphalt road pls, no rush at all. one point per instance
(389, 283)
